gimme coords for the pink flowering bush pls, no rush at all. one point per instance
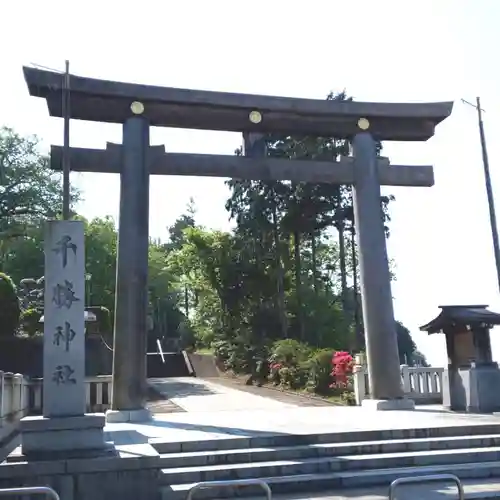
(297, 366)
(342, 365)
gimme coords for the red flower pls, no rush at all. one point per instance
(342, 364)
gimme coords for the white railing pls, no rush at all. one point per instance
(14, 402)
(97, 394)
(20, 396)
(422, 384)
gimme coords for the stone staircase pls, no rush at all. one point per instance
(173, 366)
(326, 462)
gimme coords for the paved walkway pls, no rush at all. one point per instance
(275, 393)
(214, 411)
(247, 422)
(198, 395)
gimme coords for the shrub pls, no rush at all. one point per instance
(349, 398)
(10, 310)
(342, 365)
(289, 352)
(274, 373)
(221, 349)
(30, 322)
(236, 356)
(294, 377)
(187, 336)
(320, 371)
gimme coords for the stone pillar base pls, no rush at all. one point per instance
(66, 436)
(472, 389)
(402, 404)
(122, 416)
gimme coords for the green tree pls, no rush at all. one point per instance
(101, 240)
(419, 359)
(29, 194)
(29, 190)
(176, 231)
(9, 307)
(176, 240)
(285, 225)
(406, 346)
(23, 256)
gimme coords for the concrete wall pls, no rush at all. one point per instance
(105, 478)
(204, 365)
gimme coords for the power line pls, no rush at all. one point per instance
(41, 66)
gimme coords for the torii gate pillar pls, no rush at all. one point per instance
(380, 333)
(131, 297)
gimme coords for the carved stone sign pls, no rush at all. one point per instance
(64, 325)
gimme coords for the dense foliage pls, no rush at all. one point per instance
(9, 306)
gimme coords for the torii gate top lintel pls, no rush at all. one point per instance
(108, 101)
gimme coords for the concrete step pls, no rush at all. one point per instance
(474, 489)
(275, 440)
(238, 456)
(227, 472)
(292, 484)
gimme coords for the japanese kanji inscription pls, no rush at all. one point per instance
(64, 323)
(63, 246)
(64, 335)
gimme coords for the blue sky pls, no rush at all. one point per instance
(380, 51)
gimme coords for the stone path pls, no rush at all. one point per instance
(247, 421)
(159, 403)
(197, 395)
(271, 392)
(215, 411)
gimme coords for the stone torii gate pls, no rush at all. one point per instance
(137, 107)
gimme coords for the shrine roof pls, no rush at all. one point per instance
(109, 101)
(461, 315)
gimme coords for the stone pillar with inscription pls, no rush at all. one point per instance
(64, 426)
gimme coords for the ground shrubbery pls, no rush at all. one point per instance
(10, 310)
(295, 366)
(30, 322)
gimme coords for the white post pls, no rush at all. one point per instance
(405, 376)
(26, 396)
(11, 397)
(359, 379)
(17, 400)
